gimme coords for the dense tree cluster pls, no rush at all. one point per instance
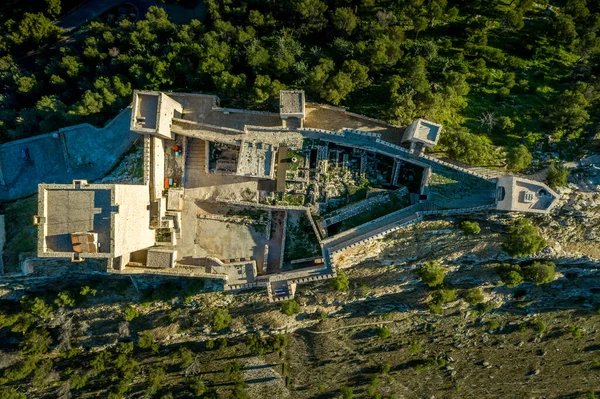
(494, 73)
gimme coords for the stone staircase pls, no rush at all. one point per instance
(196, 155)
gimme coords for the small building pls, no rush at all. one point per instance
(424, 132)
(522, 195)
(153, 113)
(82, 220)
(292, 107)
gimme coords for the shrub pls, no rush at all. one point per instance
(435, 308)
(513, 278)
(347, 393)
(539, 326)
(78, 380)
(130, 313)
(432, 274)
(383, 332)
(539, 272)
(232, 368)
(290, 307)
(35, 342)
(576, 332)
(197, 386)
(385, 368)
(185, 357)
(519, 158)
(11, 393)
(37, 307)
(156, 376)
(492, 325)
(444, 295)
(99, 362)
(557, 176)
(64, 299)
(221, 319)
(470, 227)
(341, 282)
(85, 291)
(146, 341)
(415, 348)
(473, 296)
(210, 344)
(523, 239)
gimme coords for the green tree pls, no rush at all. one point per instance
(221, 319)
(473, 296)
(513, 279)
(432, 273)
(130, 313)
(311, 14)
(519, 158)
(383, 332)
(347, 393)
(523, 239)
(26, 84)
(197, 386)
(156, 377)
(65, 298)
(344, 20)
(539, 272)
(146, 341)
(37, 307)
(557, 175)
(290, 307)
(469, 227)
(35, 29)
(443, 295)
(35, 342)
(341, 282)
(53, 8)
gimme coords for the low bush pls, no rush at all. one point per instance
(470, 227)
(290, 307)
(473, 296)
(383, 332)
(432, 274)
(130, 313)
(221, 319)
(523, 239)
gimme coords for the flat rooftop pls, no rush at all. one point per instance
(427, 131)
(516, 194)
(77, 211)
(291, 102)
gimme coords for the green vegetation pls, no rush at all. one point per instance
(469, 227)
(557, 176)
(523, 239)
(130, 313)
(221, 319)
(290, 307)
(341, 282)
(536, 272)
(473, 296)
(432, 274)
(519, 158)
(383, 332)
